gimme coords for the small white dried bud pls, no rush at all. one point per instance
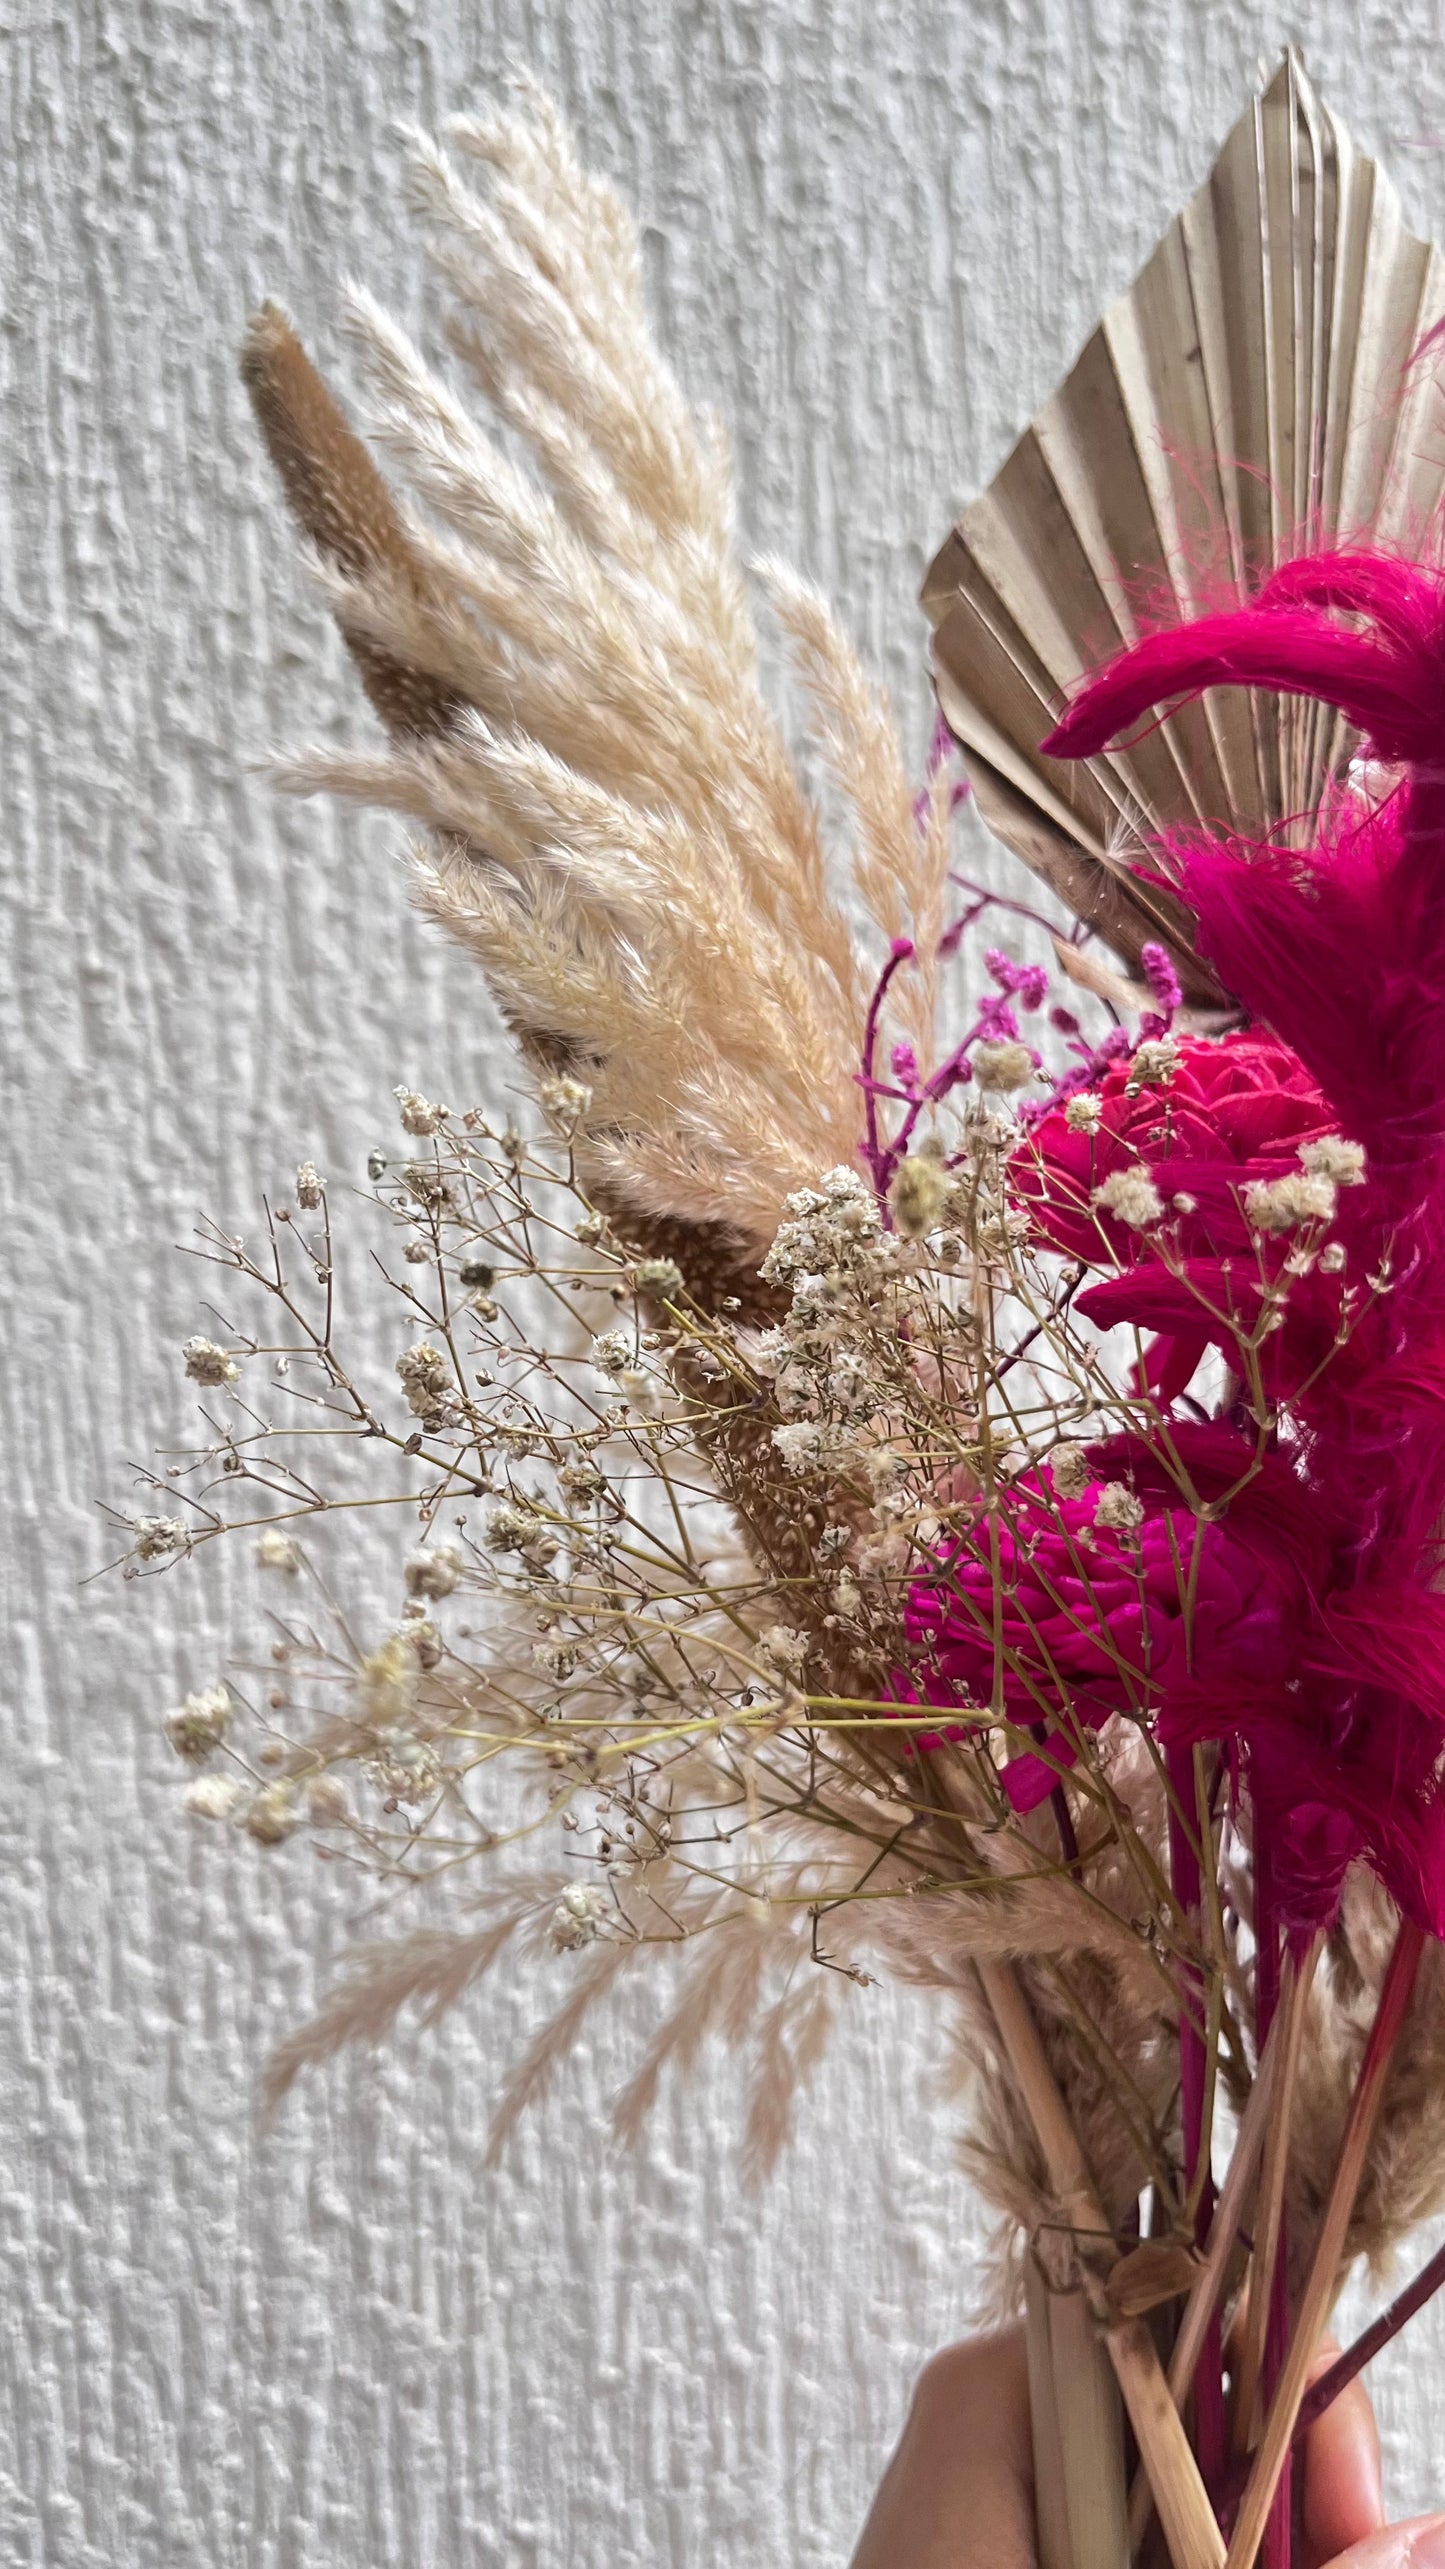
(209, 1364)
(1152, 1064)
(433, 1570)
(272, 1814)
(565, 1100)
(588, 1229)
(158, 1538)
(388, 1681)
(274, 1550)
(847, 1595)
(1132, 1197)
(508, 1528)
(417, 1253)
(376, 1166)
(661, 1277)
(917, 1196)
(612, 1353)
(796, 1391)
(310, 1186)
(326, 1804)
(1000, 1235)
(199, 1725)
(785, 1649)
(1069, 1467)
(1332, 1258)
(1118, 1510)
(538, 1545)
(1280, 1204)
(1184, 1203)
(882, 1554)
(883, 1467)
(419, 1115)
(580, 1483)
(800, 1444)
(409, 1770)
(1001, 1067)
(1084, 1113)
(421, 1633)
(425, 1184)
(426, 1379)
(576, 1918)
(1342, 1162)
(214, 1797)
(950, 1249)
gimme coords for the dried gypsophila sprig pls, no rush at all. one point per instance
(435, 1202)
(642, 1677)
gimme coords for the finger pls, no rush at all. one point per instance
(1344, 2499)
(958, 2493)
(1420, 2544)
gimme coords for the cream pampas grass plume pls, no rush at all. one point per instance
(565, 662)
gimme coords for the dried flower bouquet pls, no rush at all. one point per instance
(870, 1502)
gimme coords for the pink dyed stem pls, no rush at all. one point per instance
(1370, 2343)
(1210, 2425)
(986, 900)
(883, 1157)
(881, 1162)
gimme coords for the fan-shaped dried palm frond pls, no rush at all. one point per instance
(1251, 396)
(566, 664)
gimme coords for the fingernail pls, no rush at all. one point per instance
(1374, 2479)
(1427, 2543)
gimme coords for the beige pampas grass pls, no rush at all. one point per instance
(565, 661)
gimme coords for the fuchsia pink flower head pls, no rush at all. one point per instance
(1221, 1114)
(1059, 1617)
(1338, 955)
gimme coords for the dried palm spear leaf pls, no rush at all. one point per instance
(1250, 397)
(565, 662)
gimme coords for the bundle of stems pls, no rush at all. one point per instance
(768, 1644)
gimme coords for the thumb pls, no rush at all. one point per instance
(1342, 2493)
(1420, 2544)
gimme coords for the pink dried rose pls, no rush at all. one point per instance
(1204, 1118)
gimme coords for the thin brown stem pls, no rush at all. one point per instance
(1223, 2232)
(1288, 2031)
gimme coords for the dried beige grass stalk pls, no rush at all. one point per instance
(565, 660)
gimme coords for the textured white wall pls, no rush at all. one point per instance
(876, 236)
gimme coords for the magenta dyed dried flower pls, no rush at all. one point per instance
(1058, 1612)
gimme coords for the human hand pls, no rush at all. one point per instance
(958, 2493)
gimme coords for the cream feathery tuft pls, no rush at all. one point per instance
(565, 660)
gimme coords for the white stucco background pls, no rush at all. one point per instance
(876, 235)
